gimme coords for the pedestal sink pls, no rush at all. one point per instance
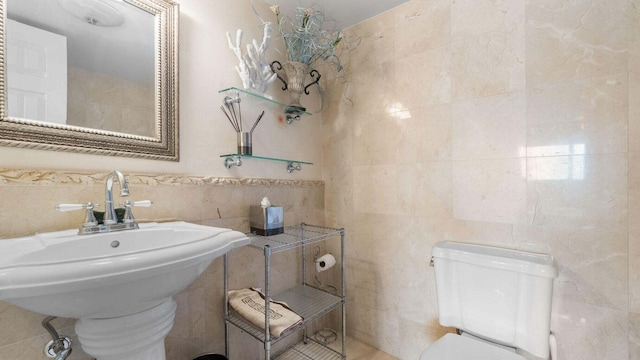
(119, 285)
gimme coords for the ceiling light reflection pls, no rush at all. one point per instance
(398, 111)
(557, 162)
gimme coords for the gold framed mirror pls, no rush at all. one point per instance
(125, 98)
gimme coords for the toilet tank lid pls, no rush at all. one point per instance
(542, 265)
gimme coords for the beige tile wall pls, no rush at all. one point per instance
(110, 103)
(510, 122)
(27, 206)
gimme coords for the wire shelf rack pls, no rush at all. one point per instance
(305, 300)
(310, 350)
(293, 237)
(308, 301)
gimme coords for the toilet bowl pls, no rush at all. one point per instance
(499, 299)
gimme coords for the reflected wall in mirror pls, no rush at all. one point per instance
(92, 76)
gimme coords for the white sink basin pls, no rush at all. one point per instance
(110, 276)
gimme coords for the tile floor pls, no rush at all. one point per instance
(357, 350)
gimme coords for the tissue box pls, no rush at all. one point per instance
(266, 221)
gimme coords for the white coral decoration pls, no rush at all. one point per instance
(253, 69)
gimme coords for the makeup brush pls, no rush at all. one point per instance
(256, 123)
(228, 102)
(232, 110)
(239, 111)
(229, 118)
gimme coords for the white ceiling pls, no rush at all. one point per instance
(344, 12)
(125, 51)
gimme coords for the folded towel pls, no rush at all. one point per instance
(249, 303)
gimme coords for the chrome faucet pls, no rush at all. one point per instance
(110, 221)
(110, 217)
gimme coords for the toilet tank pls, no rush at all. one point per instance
(498, 294)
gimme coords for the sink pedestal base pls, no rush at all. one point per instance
(138, 336)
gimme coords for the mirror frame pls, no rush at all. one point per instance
(164, 146)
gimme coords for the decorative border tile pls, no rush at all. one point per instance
(54, 177)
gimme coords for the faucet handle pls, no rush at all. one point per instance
(89, 218)
(71, 207)
(143, 203)
(128, 214)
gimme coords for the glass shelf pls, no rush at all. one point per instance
(292, 112)
(267, 158)
(291, 164)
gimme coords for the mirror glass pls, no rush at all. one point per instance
(95, 76)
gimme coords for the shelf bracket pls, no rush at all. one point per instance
(229, 162)
(291, 166)
(293, 113)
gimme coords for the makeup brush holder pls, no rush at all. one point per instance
(244, 143)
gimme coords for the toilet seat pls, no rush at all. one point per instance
(456, 347)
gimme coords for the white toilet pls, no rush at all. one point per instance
(499, 300)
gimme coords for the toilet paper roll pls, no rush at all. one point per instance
(325, 262)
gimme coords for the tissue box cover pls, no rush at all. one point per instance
(267, 221)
